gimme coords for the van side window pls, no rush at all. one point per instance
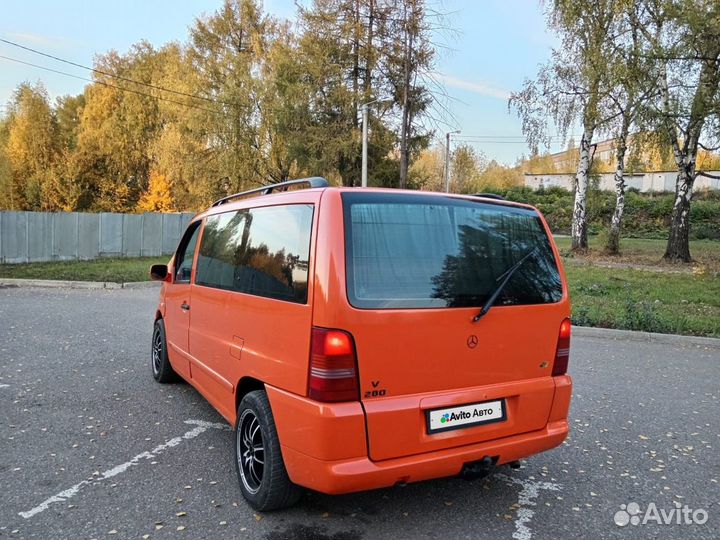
(261, 251)
(185, 254)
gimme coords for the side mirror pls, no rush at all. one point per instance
(158, 272)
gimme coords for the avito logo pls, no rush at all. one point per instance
(449, 417)
(632, 514)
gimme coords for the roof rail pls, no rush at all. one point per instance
(490, 196)
(312, 182)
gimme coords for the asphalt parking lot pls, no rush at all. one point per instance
(92, 447)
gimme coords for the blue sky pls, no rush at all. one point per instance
(498, 44)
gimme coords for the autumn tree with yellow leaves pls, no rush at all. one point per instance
(246, 100)
(158, 196)
(31, 149)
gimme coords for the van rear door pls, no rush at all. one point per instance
(418, 268)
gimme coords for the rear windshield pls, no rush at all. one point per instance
(420, 251)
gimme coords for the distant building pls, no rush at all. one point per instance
(645, 182)
(650, 182)
(604, 151)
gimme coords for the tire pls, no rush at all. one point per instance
(159, 362)
(263, 479)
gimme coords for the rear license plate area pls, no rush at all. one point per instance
(465, 416)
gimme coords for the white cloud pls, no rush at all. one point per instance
(30, 39)
(472, 86)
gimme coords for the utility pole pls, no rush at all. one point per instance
(447, 159)
(365, 113)
(364, 144)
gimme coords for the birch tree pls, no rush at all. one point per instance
(684, 39)
(570, 88)
(631, 85)
(621, 145)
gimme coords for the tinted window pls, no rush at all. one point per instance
(261, 251)
(185, 254)
(419, 251)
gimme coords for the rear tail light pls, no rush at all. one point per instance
(562, 353)
(333, 366)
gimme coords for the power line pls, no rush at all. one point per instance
(138, 92)
(500, 137)
(161, 88)
(113, 75)
(479, 140)
(493, 142)
(491, 139)
(462, 136)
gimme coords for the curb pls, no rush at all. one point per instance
(647, 337)
(66, 284)
(581, 331)
(140, 284)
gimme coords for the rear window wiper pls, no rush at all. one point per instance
(508, 274)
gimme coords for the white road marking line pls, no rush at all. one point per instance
(200, 427)
(4, 386)
(530, 491)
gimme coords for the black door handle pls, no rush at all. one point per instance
(185, 307)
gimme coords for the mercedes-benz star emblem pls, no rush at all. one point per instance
(472, 341)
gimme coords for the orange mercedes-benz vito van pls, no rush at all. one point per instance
(362, 338)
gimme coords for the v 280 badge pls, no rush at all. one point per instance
(375, 392)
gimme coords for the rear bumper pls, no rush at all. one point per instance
(359, 474)
(324, 446)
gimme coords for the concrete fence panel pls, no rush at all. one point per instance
(648, 182)
(151, 245)
(65, 236)
(39, 241)
(171, 232)
(111, 234)
(13, 237)
(46, 236)
(185, 219)
(132, 235)
(88, 236)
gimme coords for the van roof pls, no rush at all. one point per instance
(469, 196)
(319, 184)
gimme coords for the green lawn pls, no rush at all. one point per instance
(644, 300)
(648, 251)
(662, 300)
(649, 246)
(655, 296)
(117, 270)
